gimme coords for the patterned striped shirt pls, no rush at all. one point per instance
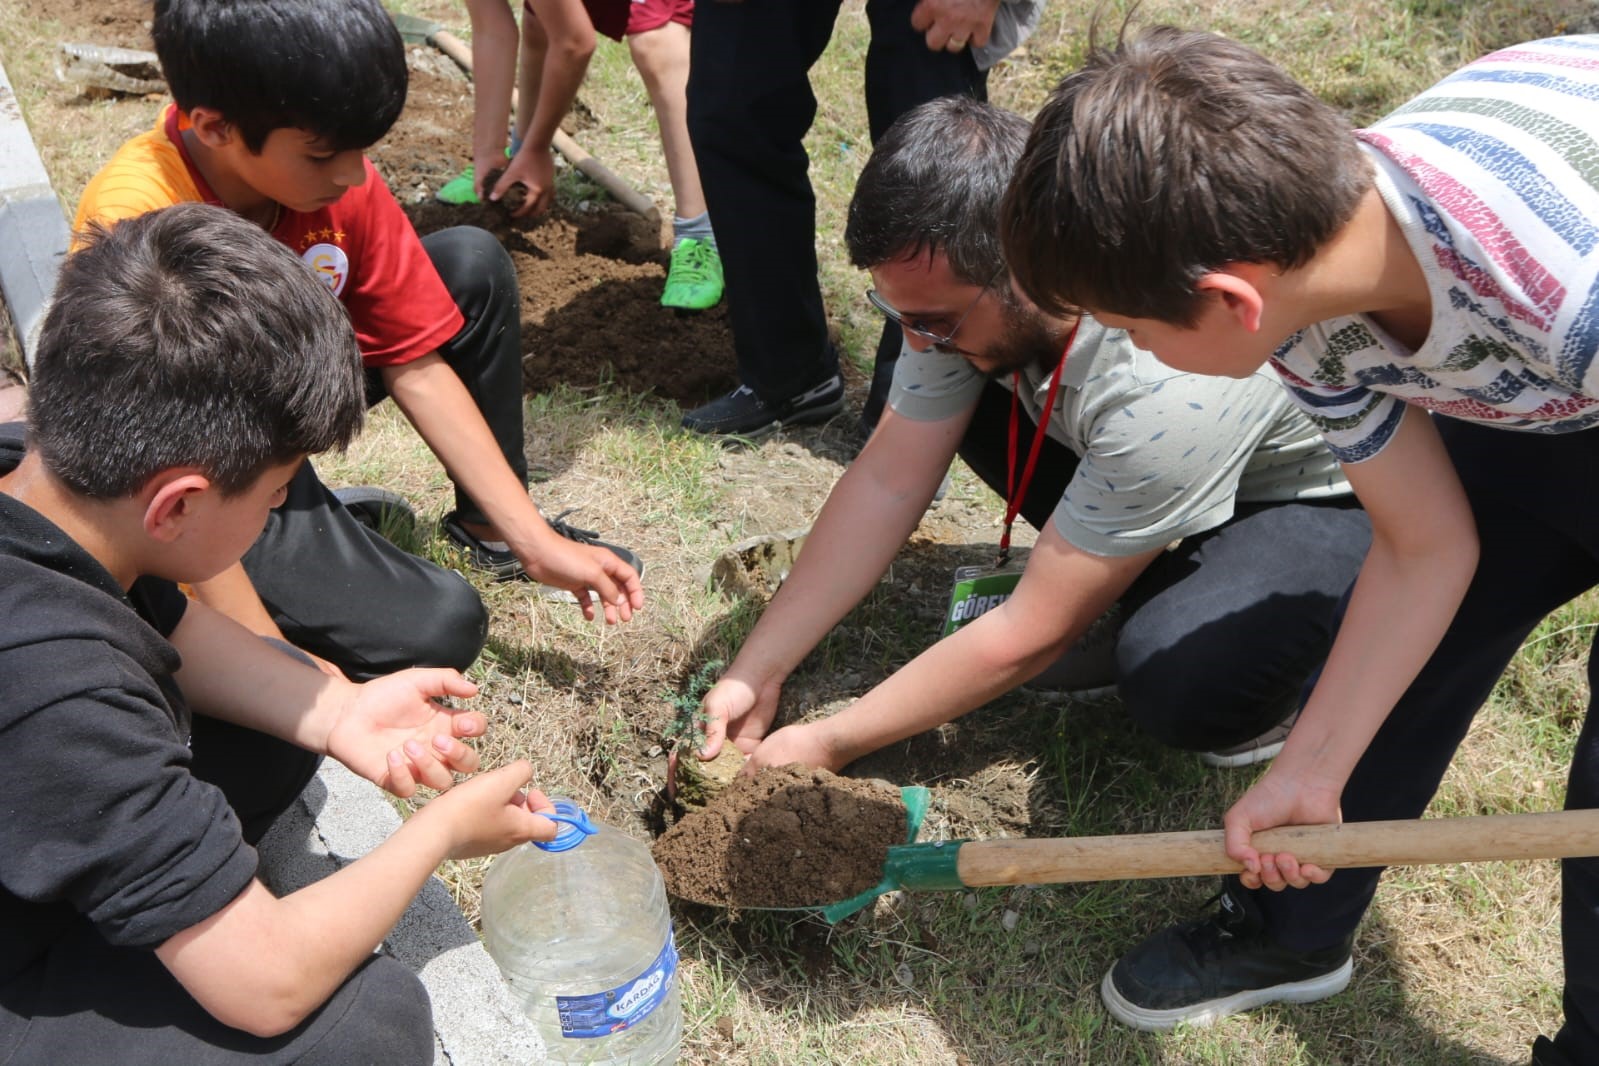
(1493, 175)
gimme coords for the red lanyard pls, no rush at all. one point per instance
(1017, 493)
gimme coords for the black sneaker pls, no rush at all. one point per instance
(1206, 969)
(1544, 1053)
(505, 566)
(741, 413)
(382, 511)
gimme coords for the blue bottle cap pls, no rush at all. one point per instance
(575, 827)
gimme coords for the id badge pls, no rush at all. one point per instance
(978, 590)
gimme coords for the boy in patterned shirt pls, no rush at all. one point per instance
(1442, 261)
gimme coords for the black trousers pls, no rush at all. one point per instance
(1219, 635)
(1534, 497)
(750, 105)
(87, 1001)
(340, 591)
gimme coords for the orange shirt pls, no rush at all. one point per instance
(362, 246)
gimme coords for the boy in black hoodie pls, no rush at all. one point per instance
(188, 366)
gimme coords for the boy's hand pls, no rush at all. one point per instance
(490, 162)
(952, 25)
(489, 813)
(1273, 801)
(580, 568)
(735, 710)
(794, 743)
(391, 732)
(534, 170)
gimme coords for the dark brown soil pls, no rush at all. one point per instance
(591, 276)
(789, 837)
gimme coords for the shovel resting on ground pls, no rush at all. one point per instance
(955, 864)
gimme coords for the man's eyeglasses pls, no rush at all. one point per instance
(942, 341)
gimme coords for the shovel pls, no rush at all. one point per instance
(416, 30)
(955, 864)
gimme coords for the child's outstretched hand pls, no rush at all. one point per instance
(587, 571)
(393, 733)
(490, 813)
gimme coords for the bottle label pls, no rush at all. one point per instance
(622, 1007)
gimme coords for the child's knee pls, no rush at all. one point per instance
(455, 627)
(385, 1017)
(473, 264)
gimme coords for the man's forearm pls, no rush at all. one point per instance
(856, 536)
(960, 673)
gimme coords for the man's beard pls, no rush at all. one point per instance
(1030, 340)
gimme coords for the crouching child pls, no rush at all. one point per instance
(188, 366)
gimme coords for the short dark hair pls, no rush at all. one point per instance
(1165, 157)
(333, 67)
(188, 337)
(934, 184)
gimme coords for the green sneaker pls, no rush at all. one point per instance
(461, 189)
(694, 282)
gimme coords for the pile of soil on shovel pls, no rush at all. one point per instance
(789, 837)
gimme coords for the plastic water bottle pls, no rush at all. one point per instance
(580, 929)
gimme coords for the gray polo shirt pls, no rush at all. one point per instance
(1164, 454)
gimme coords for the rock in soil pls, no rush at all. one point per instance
(698, 783)
(788, 837)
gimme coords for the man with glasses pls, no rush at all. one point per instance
(1207, 510)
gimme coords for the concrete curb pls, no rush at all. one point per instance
(341, 817)
(34, 235)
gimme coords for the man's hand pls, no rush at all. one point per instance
(952, 25)
(579, 568)
(1278, 799)
(534, 170)
(736, 711)
(391, 732)
(803, 744)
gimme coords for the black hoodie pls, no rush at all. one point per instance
(100, 819)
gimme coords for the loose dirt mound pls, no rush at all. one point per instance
(590, 277)
(789, 837)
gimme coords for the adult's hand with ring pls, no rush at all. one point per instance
(952, 25)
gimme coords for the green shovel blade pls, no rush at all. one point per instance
(909, 865)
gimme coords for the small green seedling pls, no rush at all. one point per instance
(688, 719)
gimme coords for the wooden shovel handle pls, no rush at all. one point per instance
(597, 172)
(1554, 835)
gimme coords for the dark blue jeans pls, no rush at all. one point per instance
(750, 105)
(1536, 501)
(1219, 635)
